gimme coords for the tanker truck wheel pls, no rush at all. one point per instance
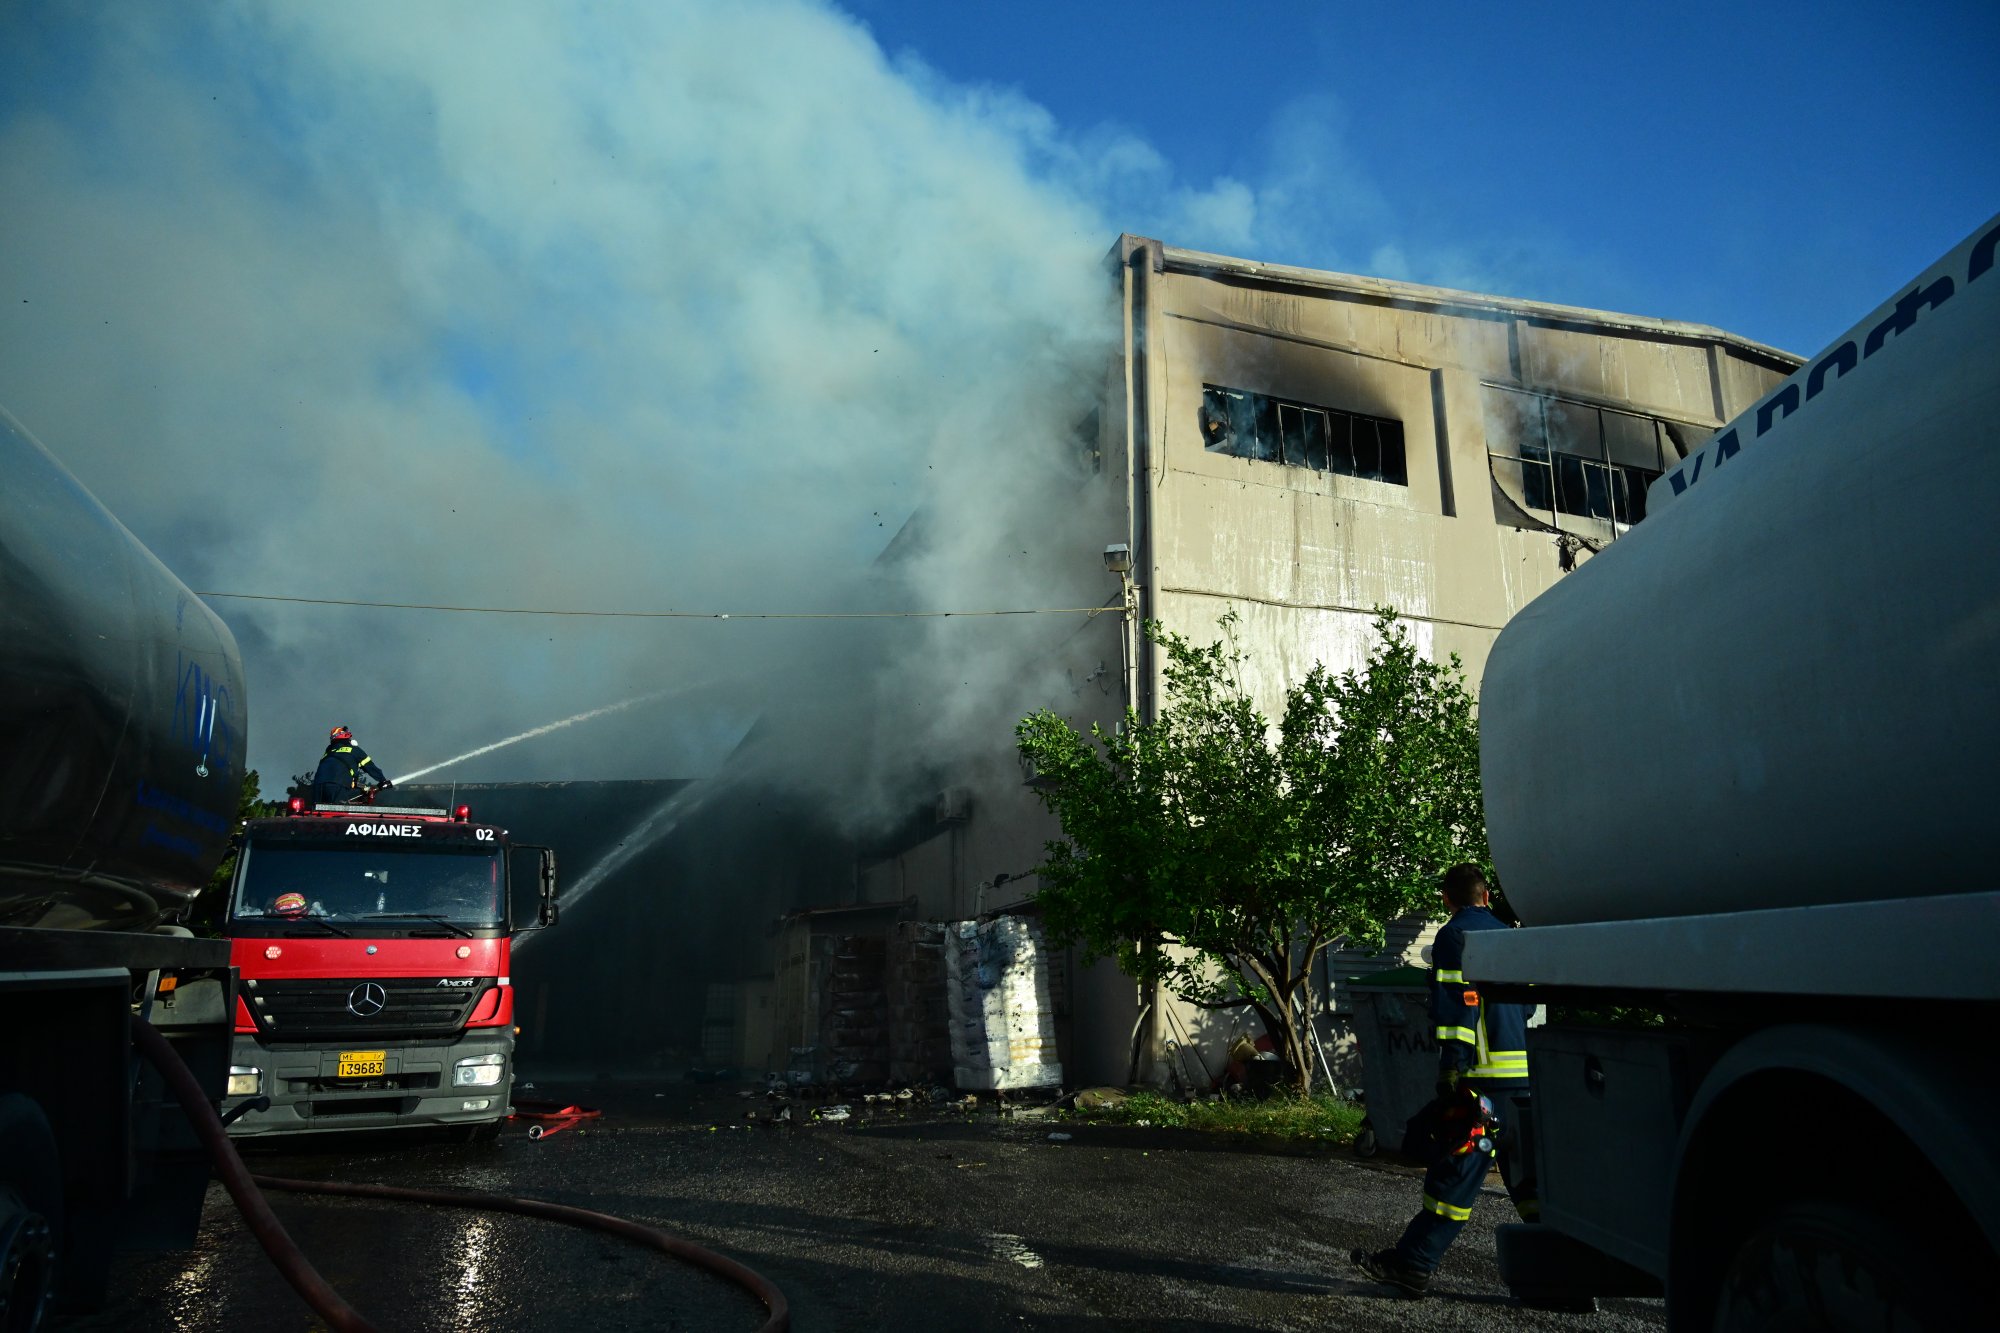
(1830, 1267)
(30, 1214)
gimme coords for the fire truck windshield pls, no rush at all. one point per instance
(411, 885)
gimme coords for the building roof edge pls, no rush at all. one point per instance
(1201, 262)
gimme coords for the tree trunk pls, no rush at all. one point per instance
(1281, 980)
(1289, 1044)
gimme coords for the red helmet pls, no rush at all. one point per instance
(340, 734)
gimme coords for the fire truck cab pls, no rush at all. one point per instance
(373, 947)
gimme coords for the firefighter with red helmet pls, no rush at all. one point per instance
(1482, 1109)
(338, 778)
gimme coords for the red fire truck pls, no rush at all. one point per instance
(372, 945)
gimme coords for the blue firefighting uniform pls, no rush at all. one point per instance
(1486, 1045)
(338, 776)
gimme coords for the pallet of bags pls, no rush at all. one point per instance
(1002, 1012)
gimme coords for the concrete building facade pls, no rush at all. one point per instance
(1301, 447)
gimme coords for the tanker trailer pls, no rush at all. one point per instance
(1740, 780)
(121, 768)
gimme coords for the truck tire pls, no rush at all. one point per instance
(1831, 1267)
(482, 1136)
(31, 1214)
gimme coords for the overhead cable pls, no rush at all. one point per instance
(668, 615)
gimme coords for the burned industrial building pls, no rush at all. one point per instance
(1298, 447)
(1301, 447)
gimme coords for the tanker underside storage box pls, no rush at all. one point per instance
(1608, 1107)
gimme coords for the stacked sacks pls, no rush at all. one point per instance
(919, 1017)
(1003, 1031)
(854, 1032)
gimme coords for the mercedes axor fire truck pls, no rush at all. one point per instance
(372, 946)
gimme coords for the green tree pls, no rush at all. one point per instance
(206, 915)
(1218, 858)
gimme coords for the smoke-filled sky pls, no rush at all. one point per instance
(650, 305)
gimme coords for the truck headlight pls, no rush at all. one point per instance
(245, 1081)
(479, 1071)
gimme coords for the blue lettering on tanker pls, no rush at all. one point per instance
(149, 797)
(1905, 314)
(200, 704)
(1841, 360)
(152, 836)
(1786, 398)
(1982, 254)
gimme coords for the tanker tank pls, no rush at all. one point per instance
(1783, 687)
(122, 721)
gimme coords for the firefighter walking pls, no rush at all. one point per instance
(1482, 1098)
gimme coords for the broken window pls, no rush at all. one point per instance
(1088, 433)
(1554, 456)
(1304, 435)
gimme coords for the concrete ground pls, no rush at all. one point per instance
(926, 1220)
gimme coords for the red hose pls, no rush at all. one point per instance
(315, 1290)
(685, 1250)
(257, 1215)
(546, 1118)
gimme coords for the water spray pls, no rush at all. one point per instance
(548, 727)
(657, 824)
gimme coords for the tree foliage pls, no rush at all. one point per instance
(1219, 857)
(209, 907)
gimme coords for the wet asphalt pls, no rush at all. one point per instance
(920, 1219)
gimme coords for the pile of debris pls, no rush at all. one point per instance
(919, 1014)
(857, 1036)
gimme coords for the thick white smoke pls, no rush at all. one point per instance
(642, 305)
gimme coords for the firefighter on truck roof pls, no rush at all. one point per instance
(338, 778)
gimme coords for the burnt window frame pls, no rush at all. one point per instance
(1561, 482)
(1240, 423)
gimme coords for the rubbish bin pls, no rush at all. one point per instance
(1399, 1052)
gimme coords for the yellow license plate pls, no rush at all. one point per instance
(363, 1064)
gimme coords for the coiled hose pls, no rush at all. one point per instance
(298, 1271)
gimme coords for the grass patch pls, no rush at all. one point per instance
(1320, 1117)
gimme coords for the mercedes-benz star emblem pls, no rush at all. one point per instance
(366, 1000)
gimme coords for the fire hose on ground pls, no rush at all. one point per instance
(546, 1118)
(298, 1271)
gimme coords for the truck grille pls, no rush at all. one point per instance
(347, 1009)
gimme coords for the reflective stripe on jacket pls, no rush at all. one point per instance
(1480, 1039)
(342, 766)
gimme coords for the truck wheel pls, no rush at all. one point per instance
(30, 1214)
(482, 1136)
(1827, 1267)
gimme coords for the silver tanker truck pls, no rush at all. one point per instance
(1742, 777)
(121, 768)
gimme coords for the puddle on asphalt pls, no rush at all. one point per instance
(1013, 1249)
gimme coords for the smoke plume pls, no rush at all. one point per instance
(622, 306)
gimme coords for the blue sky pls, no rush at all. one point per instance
(1774, 169)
